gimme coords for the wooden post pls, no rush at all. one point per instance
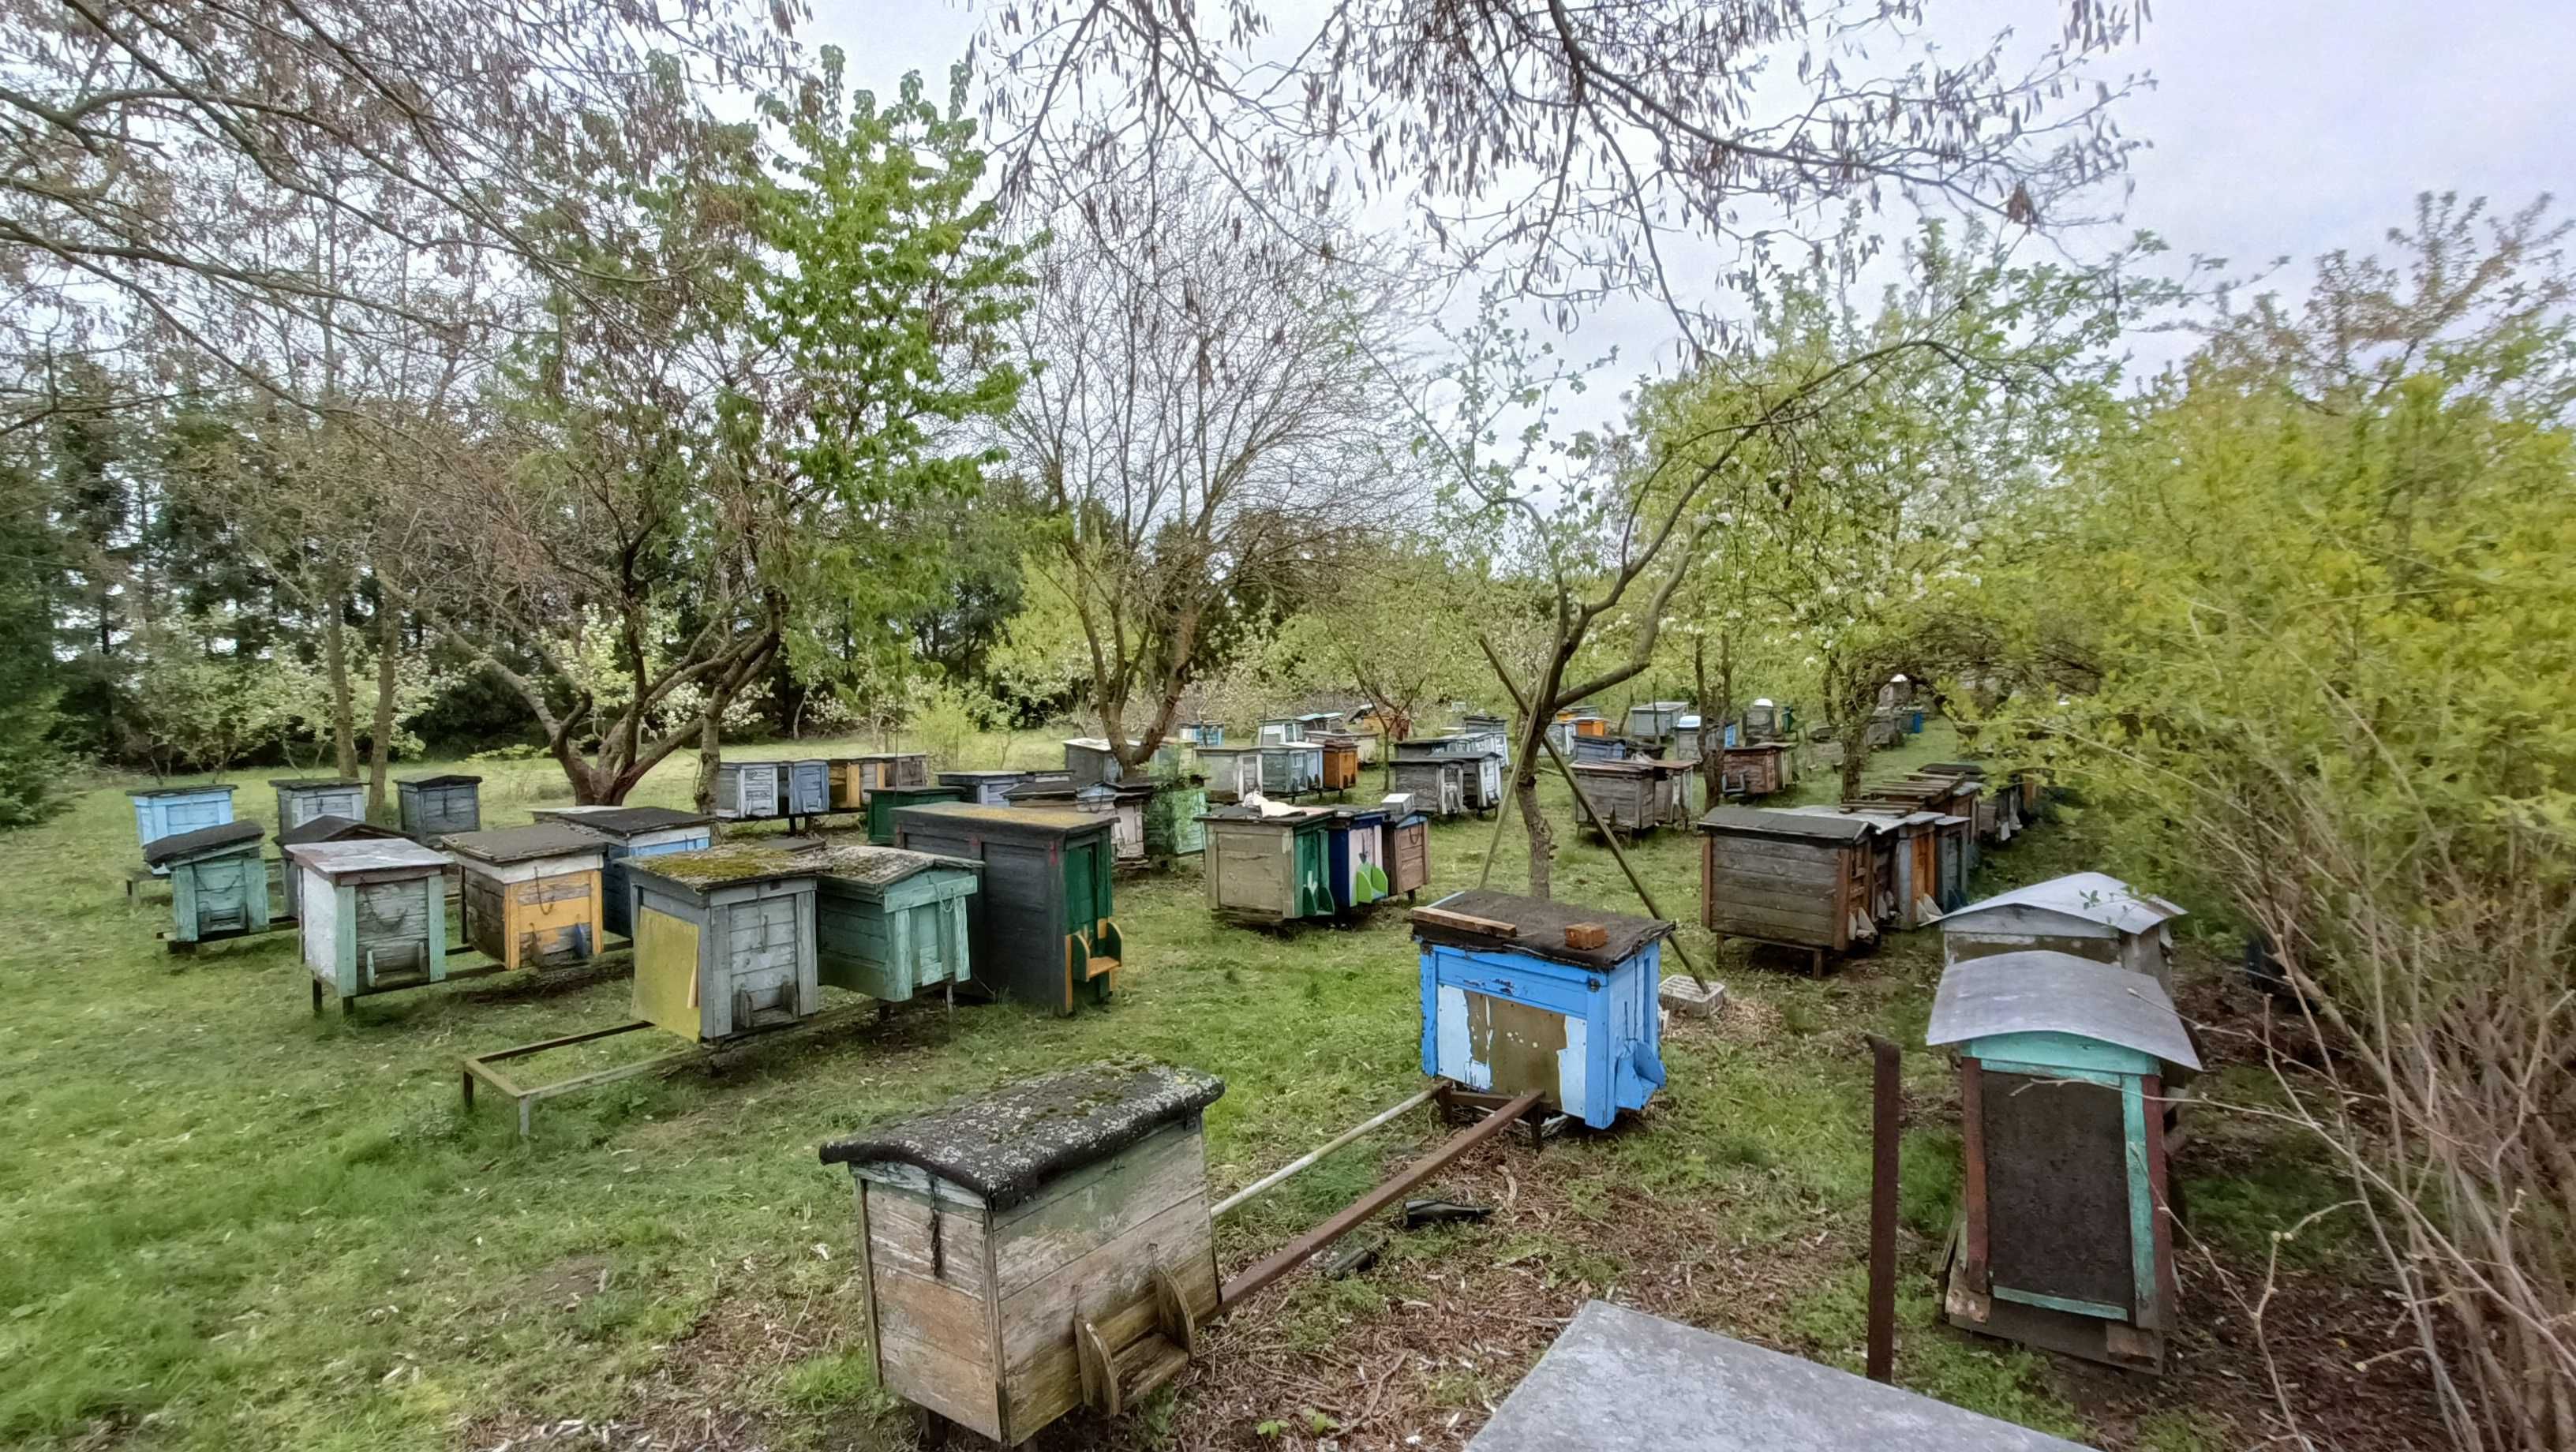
(1972, 1174)
(1884, 1089)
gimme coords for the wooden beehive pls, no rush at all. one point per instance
(885, 801)
(1038, 1248)
(218, 881)
(301, 799)
(1624, 794)
(1341, 763)
(749, 791)
(1915, 856)
(1755, 771)
(853, 778)
(985, 788)
(808, 787)
(1789, 878)
(1407, 850)
(321, 829)
(2065, 1072)
(1232, 772)
(1202, 733)
(1043, 927)
(1123, 803)
(1438, 784)
(724, 941)
(1355, 857)
(2089, 915)
(434, 806)
(1292, 768)
(890, 923)
(1510, 1005)
(625, 834)
(167, 811)
(1268, 863)
(375, 914)
(532, 895)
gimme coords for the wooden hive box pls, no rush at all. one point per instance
(1788, 878)
(1439, 785)
(724, 941)
(1913, 859)
(1123, 803)
(749, 791)
(301, 799)
(1406, 853)
(1039, 1248)
(1089, 761)
(1043, 928)
(2066, 1072)
(1623, 793)
(2089, 915)
(1509, 1006)
(626, 834)
(322, 829)
(854, 778)
(1754, 771)
(1268, 863)
(890, 923)
(886, 801)
(1232, 772)
(1355, 857)
(375, 914)
(218, 881)
(984, 788)
(1341, 763)
(1291, 768)
(167, 811)
(433, 806)
(1203, 733)
(532, 895)
(808, 787)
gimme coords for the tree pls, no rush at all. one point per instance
(714, 470)
(2319, 587)
(1206, 430)
(1401, 630)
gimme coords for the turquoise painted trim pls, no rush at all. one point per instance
(2062, 1303)
(2142, 1205)
(436, 886)
(2050, 1071)
(2064, 1051)
(183, 902)
(344, 938)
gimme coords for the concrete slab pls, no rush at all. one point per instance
(1623, 1381)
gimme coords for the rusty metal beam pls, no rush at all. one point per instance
(1296, 1252)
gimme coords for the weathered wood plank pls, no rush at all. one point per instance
(1755, 894)
(1103, 1202)
(960, 1390)
(1464, 922)
(1113, 1288)
(934, 1314)
(901, 1235)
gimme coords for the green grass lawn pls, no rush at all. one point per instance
(226, 1223)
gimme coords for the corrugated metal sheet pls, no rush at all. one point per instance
(2096, 897)
(2045, 992)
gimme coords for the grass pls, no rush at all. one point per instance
(226, 1223)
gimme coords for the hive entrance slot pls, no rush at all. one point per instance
(1116, 1377)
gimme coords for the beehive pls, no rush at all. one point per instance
(166, 811)
(1043, 928)
(1510, 1006)
(1341, 763)
(1789, 878)
(984, 788)
(890, 923)
(322, 829)
(1757, 770)
(1292, 768)
(218, 881)
(625, 834)
(2065, 1072)
(532, 894)
(853, 778)
(1407, 850)
(2089, 915)
(808, 787)
(1123, 803)
(375, 914)
(1232, 772)
(885, 801)
(433, 806)
(1915, 853)
(301, 799)
(1355, 857)
(1268, 863)
(1037, 1248)
(749, 791)
(1439, 785)
(724, 941)
(1172, 820)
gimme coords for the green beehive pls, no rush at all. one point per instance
(1172, 820)
(1042, 923)
(890, 923)
(1268, 863)
(884, 802)
(218, 881)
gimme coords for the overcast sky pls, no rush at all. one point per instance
(2274, 126)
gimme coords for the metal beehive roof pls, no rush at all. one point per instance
(2039, 991)
(2096, 897)
(333, 859)
(178, 791)
(203, 839)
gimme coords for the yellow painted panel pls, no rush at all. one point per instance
(666, 972)
(554, 919)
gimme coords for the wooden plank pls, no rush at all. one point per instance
(1113, 1288)
(902, 1236)
(928, 1376)
(1756, 897)
(1740, 923)
(1102, 1203)
(1774, 856)
(917, 1308)
(1463, 922)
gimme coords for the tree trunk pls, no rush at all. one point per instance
(1712, 761)
(1855, 751)
(710, 755)
(1542, 846)
(335, 663)
(380, 741)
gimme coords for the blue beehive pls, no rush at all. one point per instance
(167, 811)
(1355, 847)
(1509, 1005)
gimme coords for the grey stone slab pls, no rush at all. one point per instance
(1623, 1381)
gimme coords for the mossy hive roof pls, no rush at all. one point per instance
(1008, 1143)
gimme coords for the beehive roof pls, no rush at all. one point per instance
(520, 844)
(444, 778)
(1006, 1144)
(2096, 897)
(1542, 924)
(311, 783)
(875, 866)
(627, 821)
(730, 863)
(1005, 821)
(1781, 822)
(2042, 991)
(203, 839)
(178, 791)
(331, 827)
(368, 855)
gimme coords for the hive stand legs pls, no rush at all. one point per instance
(317, 995)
